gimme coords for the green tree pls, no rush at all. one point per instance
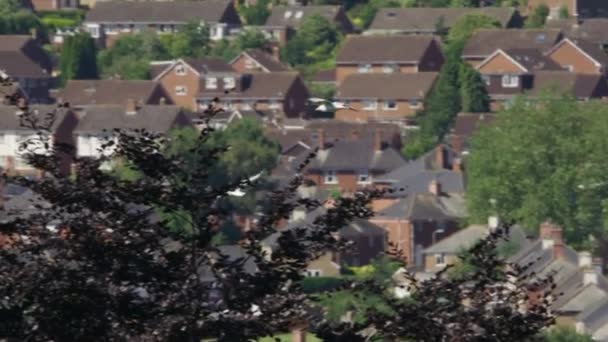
(192, 40)
(130, 56)
(544, 160)
(255, 14)
(78, 58)
(227, 49)
(565, 334)
(315, 42)
(464, 27)
(473, 93)
(538, 17)
(564, 13)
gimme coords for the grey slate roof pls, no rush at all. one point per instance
(111, 92)
(595, 317)
(340, 157)
(427, 206)
(297, 14)
(10, 116)
(424, 19)
(23, 206)
(384, 49)
(394, 86)
(21, 56)
(467, 237)
(210, 11)
(152, 118)
(484, 42)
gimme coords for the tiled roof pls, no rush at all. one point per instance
(467, 237)
(108, 117)
(10, 116)
(384, 49)
(101, 92)
(424, 206)
(578, 85)
(293, 16)
(394, 86)
(211, 11)
(425, 19)
(262, 85)
(21, 56)
(266, 60)
(486, 41)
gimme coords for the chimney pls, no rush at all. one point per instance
(590, 276)
(321, 138)
(559, 249)
(378, 140)
(131, 106)
(493, 223)
(584, 260)
(162, 101)
(551, 235)
(457, 165)
(276, 52)
(355, 134)
(435, 187)
(440, 156)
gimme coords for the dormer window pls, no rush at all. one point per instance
(299, 14)
(229, 83)
(211, 83)
(288, 14)
(180, 70)
(510, 81)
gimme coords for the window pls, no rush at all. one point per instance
(414, 103)
(486, 79)
(369, 105)
(390, 105)
(330, 177)
(180, 69)
(389, 68)
(274, 105)
(94, 31)
(439, 259)
(363, 177)
(247, 105)
(313, 273)
(365, 68)
(510, 81)
(249, 64)
(288, 14)
(181, 90)
(229, 83)
(211, 83)
(228, 104)
(299, 14)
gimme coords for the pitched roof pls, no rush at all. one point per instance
(424, 19)
(10, 116)
(596, 316)
(211, 11)
(21, 56)
(486, 41)
(532, 59)
(384, 49)
(339, 156)
(261, 85)
(424, 206)
(325, 76)
(467, 237)
(209, 64)
(593, 30)
(97, 118)
(394, 86)
(293, 16)
(578, 85)
(264, 59)
(591, 50)
(467, 123)
(23, 206)
(101, 92)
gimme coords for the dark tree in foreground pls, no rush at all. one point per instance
(112, 270)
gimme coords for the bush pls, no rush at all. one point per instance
(320, 284)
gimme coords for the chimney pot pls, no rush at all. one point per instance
(321, 138)
(378, 140)
(584, 259)
(440, 157)
(559, 249)
(435, 187)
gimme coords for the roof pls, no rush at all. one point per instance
(23, 206)
(87, 92)
(588, 48)
(262, 85)
(10, 116)
(211, 11)
(578, 85)
(394, 86)
(425, 206)
(593, 30)
(21, 56)
(325, 76)
(596, 316)
(484, 42)
(264, 59)
(293, 16)
(467, 237)
(384, 49)
(232, 253)
(339, 156)
(97, 118)
(209, 65)
(423, 19)
(468, 123)
(532, 59)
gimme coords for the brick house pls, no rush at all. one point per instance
(283, 94)
(184, 79)
(388, 54)
(22, 59)
(80, 93)
(425, 20)
(257, 60)
(12, 134)
(579, 56)
(336, 166)
(394, 97)
(284, 21)
(485, 42)
(109, 20)
(576, 8)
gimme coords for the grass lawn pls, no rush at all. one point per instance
(287, 338)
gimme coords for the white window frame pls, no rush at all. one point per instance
(229, 82)
(249, 64)
(287, 14)
(440, 259)
(364, 177)
(181, 90)
(386, 106)
(414, 103)
(180, 70)
(247, 105)
(314, 273)
(510, 81)
(211, 83)
(274, 105)
(369, 104)
(364, 68)
(299, 14)
(389, 68)
(330, 177)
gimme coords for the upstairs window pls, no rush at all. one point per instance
(330, 177)
(288, 14)
(363, 177)
(389, 68)
(510, 81)
(299, 14)
(229, 83)
(440, 259)
(181, 91)
(211, 83)
(365, 68)
(390, 105)
(180, 70)
(370, 105)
